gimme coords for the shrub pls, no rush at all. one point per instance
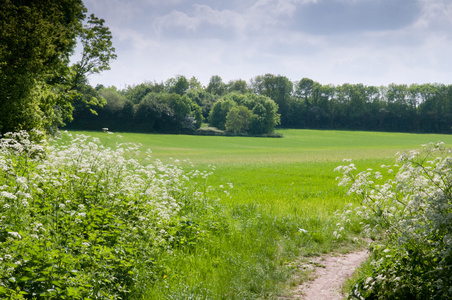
(82, 221)
(413, 210)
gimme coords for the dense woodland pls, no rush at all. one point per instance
(181, 105)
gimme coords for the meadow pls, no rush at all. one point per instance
(287, 175)
(237, 226)
(289, 180)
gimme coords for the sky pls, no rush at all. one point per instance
(374, 42)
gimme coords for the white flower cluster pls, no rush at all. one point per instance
(410, 203)
(84, 160)
(74, 174)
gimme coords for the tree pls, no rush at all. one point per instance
(217, 116)
(166, 112)
(88, 98)
(264, 115)
(216, 86)
(178, 85)
(136, 93)
(97, 52)
(304, 89)
(278, 88)
(37, 84)
(194, 84)
(115, 101)
(238, 119)
(238, 86)
(204, 99)
(312, 101)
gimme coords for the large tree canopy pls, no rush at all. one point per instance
(261, 119)
(37, 84)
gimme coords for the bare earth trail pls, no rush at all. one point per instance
(329, 275)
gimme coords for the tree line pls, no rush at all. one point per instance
(257, 106)
(177, 106)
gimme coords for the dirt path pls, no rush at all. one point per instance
(329, 275)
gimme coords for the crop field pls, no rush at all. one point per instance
(219, 218)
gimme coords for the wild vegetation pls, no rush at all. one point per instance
(99, 218)
(128, 223)
(409, 203)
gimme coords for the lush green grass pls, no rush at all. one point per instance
(296, 146)
(280, 185)
(291, 175)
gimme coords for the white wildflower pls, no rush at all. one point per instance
(15, 234)
(8, 195)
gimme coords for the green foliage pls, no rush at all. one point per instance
(136, 93)
(307, 104)
(217, 116)
(278, 88)
(204, 100)
(168, 112)
(80, 221)
(162, 112)
(413, 211)
(238, 119)
(178, 85)
(263, 119)
(115, 101)
(239, 86)
(216, 86)
(36, 41)
(194, 84)
(97, 51)
(36, 82)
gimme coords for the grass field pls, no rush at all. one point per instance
(296, 146)
(284, 175)
(280, 185)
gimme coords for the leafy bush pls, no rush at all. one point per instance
(413, 210)
(82, 221)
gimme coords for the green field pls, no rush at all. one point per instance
(280, 186)
(297, 146)
(282, 174)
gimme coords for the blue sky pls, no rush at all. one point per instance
(375, 42)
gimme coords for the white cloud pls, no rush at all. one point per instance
(436, 14)
(200, 15)
(165, 2)
(131, 39)
(275, 8)
(156, 41)
(254, 18)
